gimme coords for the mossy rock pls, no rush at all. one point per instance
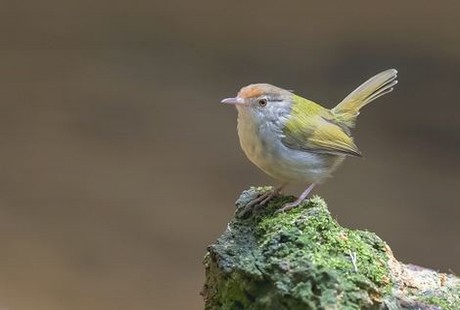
(303, 259)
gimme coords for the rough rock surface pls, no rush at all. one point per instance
(303, 259)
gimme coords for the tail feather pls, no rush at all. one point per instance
(348, 109)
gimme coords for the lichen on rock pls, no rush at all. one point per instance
(301, 259)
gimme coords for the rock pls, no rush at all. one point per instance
(303, 259)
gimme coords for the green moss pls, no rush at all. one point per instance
(300, 259)
(303, 259)
(447, 298)
(345, 262)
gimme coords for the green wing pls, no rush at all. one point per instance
(312, 128)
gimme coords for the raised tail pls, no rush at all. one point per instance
(348, 109)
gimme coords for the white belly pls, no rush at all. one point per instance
(262, 145)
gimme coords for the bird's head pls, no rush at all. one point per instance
(263, 102)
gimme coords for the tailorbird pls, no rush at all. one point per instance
(294, 139)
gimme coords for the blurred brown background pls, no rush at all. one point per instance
(119, 165)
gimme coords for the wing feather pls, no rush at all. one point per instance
(321, 136)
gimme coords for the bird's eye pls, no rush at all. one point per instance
(262, 102)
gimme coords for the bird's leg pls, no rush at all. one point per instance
(273, 193)
(265, 197)
(299, 200)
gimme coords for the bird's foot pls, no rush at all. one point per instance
(298, 201)
(289, 205)
(262, 199)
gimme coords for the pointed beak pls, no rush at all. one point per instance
(236, 100)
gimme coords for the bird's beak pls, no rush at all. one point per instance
(236, 100)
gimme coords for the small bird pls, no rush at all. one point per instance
(294, 139)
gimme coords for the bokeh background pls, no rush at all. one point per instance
(118, 165)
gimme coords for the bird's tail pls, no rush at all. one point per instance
(348, 109)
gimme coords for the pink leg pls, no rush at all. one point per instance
(265, 197)
(274, 193)
(299, 200)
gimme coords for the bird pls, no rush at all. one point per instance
(296, 140)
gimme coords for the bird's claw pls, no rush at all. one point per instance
(261, 200)
(288, 206)
(298, 201)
